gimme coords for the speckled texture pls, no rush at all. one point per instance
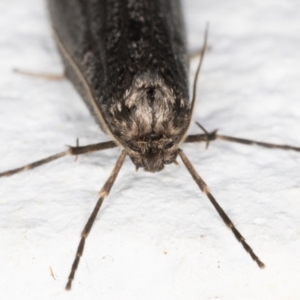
(157, 236)
(128, 60)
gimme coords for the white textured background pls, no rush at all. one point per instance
(157, 237)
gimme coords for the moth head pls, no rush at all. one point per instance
(150, 121)
(153, 152)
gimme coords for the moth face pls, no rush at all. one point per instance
(153, 154)
(150, 121)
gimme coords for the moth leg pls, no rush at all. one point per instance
(204, 188)
(41, 75)
(206, 137)
(257, 143)
(71, 151)
(87, 228)
(212, 136)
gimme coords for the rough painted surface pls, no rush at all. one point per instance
(157, 236)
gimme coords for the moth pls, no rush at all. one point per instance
(128, 60)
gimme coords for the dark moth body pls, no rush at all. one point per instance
(127, 58)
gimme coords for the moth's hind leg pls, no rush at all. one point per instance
(204, 188)
(88, 226)
(47, 76)
(212, 136)
(71, 151)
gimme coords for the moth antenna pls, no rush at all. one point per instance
(90, 93)
(71, 151)
(88, 226)
(203, 50)
(204, 188)
(196, 53)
